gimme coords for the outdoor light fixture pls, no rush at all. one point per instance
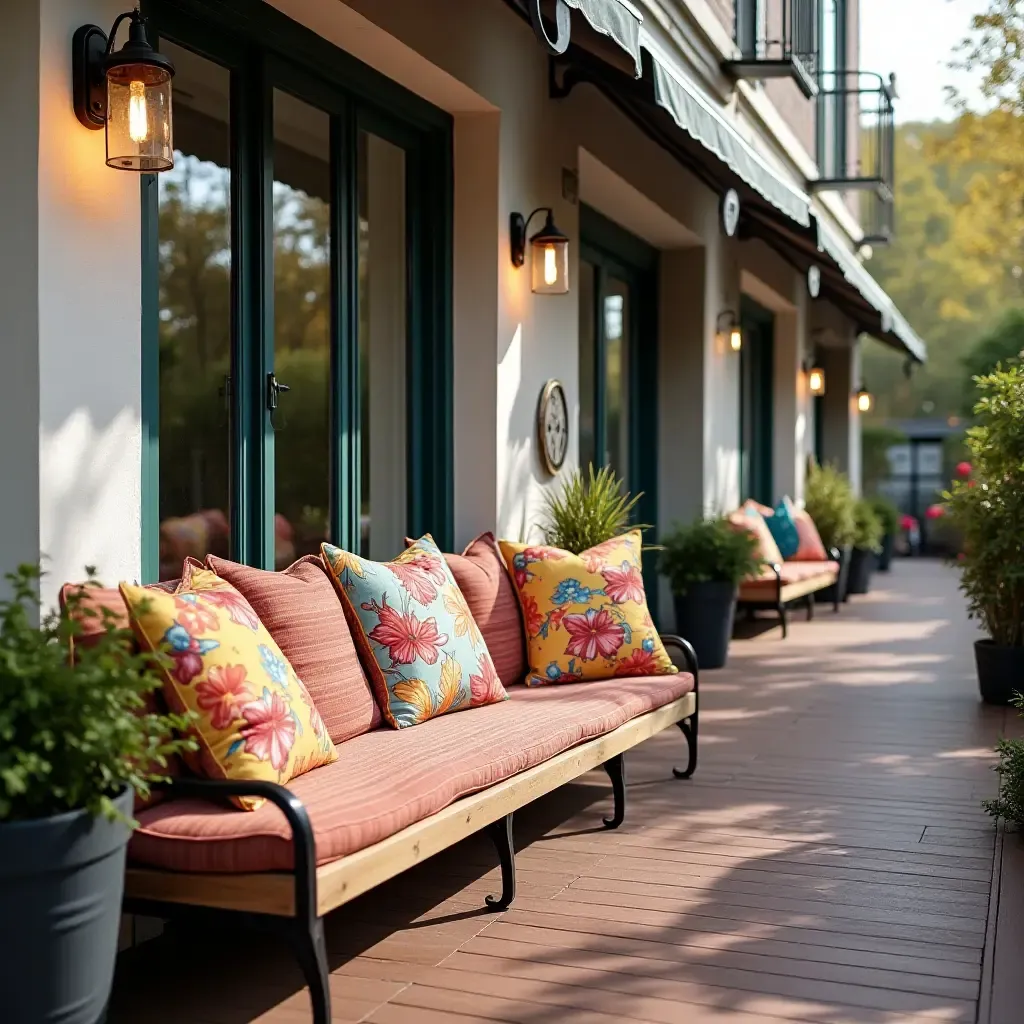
(865, 400)
(815, 380)
(729, 328)
(128, 91)
(549, 253)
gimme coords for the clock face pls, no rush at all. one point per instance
(553, 425)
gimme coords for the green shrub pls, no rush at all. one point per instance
(73, 736)
(708, 550)
(588, 511)
(829, 501)
(988, 509)
(1010, 802)
(867, 527)
(888, 514)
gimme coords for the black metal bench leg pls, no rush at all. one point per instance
(810, 607)
(311, 952)
(616, 769)
(689, 729)
(784, 620)
(501, 833)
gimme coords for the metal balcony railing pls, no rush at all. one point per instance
(777, 39)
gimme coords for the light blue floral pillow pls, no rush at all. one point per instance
(420, 645)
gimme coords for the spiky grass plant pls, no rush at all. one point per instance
(588, 510)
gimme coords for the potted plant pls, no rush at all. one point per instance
(588, 510)
(1009, 805)
(829, 501)
(987, 511)
(867, 543)
(705, 563)
(77, 742)
(889, 516)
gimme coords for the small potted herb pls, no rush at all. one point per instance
(829, 501)
(987, 510)
(867, 543)
(889, 516)
(705, 562)
(77, 742)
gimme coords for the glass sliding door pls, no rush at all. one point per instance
(193, 322)
(757, 388)
(296, 281)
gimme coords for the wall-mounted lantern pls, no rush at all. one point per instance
(865, 400)
(728, 328)
(815, 380)
(127, 91)
(549, 252)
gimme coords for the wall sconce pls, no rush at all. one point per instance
(728, 327)
(549, 252)
(865, 400)
(815, 380)
(127, 91)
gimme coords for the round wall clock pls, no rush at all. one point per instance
(553, 426)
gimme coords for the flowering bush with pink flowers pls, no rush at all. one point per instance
(988, 509)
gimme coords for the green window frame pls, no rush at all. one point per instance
(617, 252)
(757, 403)
(263, 49)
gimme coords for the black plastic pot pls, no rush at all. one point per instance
(828, 595)
(704, 616)
(862, 565)
(61, 881)
(1000, 671)
(885, 555)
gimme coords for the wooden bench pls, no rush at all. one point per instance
(788, 583)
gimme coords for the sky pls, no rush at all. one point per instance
(916, 39)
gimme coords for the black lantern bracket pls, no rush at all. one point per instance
(518, 225)
(92, 55)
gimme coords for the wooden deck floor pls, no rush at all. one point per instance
(828, 863)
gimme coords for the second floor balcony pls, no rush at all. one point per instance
(777, 39)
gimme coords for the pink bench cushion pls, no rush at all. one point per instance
(388, 779)
(794, 572)
(303, 614)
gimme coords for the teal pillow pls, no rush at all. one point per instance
(783, 529)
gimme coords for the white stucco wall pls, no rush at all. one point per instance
(71, 295)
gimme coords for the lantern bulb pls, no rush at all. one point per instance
(864, 401)
(550, 265)
(736, 339)
(138, 120)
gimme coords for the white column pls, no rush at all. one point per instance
(841, 421)
(793, 425)
(70, 290)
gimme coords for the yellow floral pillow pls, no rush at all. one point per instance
(586, 615)
(253, 717)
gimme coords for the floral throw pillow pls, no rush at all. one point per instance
(586, 615)
(421, 647)
(254, 719)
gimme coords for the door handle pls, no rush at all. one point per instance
(274, 391)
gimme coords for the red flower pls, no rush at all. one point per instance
(187, 665)
(593, 634)
(624, 583)
(223, 694)
(407, 638)
(534, 619)
(963, 469)
(935, 512)
(239, 610)
(908, 523)
(269, 732)
(593, 558)
(420, 577)
(486, 687)
(639, 663)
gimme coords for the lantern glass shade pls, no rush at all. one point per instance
(864, 400)
(736, 339)
(139, 135)
(549, 255)
(816, 381)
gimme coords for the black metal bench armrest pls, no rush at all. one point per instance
(689, 654)
(303, 841)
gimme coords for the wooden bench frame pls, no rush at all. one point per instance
(293, 903)
(781, 595)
